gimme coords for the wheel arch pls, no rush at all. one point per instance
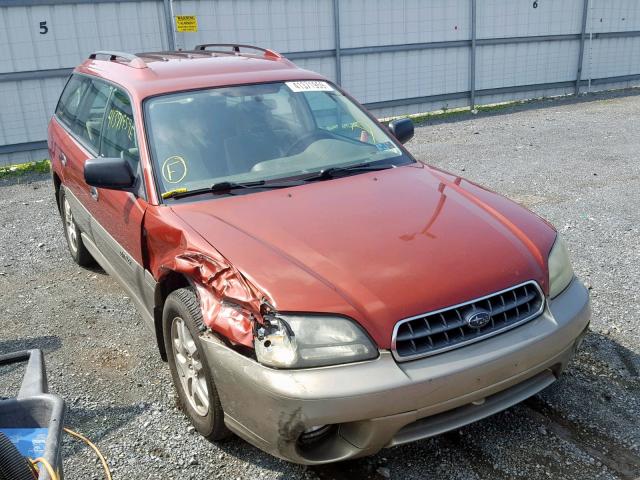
(57, 183)
(169, 282)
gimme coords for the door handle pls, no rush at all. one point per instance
(63, 159)
(93, 191)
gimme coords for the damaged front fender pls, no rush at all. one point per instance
(230, 303)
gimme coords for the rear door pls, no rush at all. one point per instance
(80, 110)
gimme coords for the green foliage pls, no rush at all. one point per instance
(447, 113)
(41, 166)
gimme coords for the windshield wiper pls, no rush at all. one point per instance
(227, 187)
(333, 172)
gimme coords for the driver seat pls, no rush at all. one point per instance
(255, 140)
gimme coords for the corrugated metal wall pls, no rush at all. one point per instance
(398, 57)
(41, 61)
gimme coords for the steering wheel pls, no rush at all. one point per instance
(307, 139)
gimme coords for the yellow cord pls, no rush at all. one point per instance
(95, 449)
(47, 467)
(54, 475)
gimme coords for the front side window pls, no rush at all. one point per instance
(118, 131)
(259, 132)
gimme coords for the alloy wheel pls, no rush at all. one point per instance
(189, 366)
(70, 227)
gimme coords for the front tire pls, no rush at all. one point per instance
(72, 233)
(192, 378)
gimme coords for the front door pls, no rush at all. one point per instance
(118, 215)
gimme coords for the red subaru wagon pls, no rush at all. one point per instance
(315, 289)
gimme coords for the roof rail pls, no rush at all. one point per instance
(235, 49)
(132, 60)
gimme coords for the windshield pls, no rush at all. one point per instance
(259, 132)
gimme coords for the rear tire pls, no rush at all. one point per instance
(192, 378)
(13, 466)
(72, 233)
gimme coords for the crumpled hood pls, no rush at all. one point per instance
(377, 247)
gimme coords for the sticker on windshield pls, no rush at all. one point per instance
(385, 146)
(309, 86)
(174, 169)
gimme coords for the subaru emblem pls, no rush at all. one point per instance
(478, 318)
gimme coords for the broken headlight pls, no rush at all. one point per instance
(560, 271)
(296, 341)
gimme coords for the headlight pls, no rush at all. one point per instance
(296, 341)
(560, 271)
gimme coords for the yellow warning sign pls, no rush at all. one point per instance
(186, 23)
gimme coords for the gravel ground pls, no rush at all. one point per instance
(573, 162)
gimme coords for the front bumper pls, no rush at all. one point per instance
(381, 403)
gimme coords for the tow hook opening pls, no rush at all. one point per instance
(313, 436)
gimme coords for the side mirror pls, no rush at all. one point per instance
(112, 173)
(402, 129)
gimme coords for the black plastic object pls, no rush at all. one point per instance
(34, 407)
(236, 49)
(402, 129)
(114, 173)
(13, 466)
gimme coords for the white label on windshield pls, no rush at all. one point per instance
(309, 86)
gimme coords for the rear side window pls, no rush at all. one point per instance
(119, 133)
(82, 106)
(88, 121)
(70, 100)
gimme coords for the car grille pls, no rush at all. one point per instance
(448, 328)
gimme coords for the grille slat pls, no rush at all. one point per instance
(449, 328)
(518, 303)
